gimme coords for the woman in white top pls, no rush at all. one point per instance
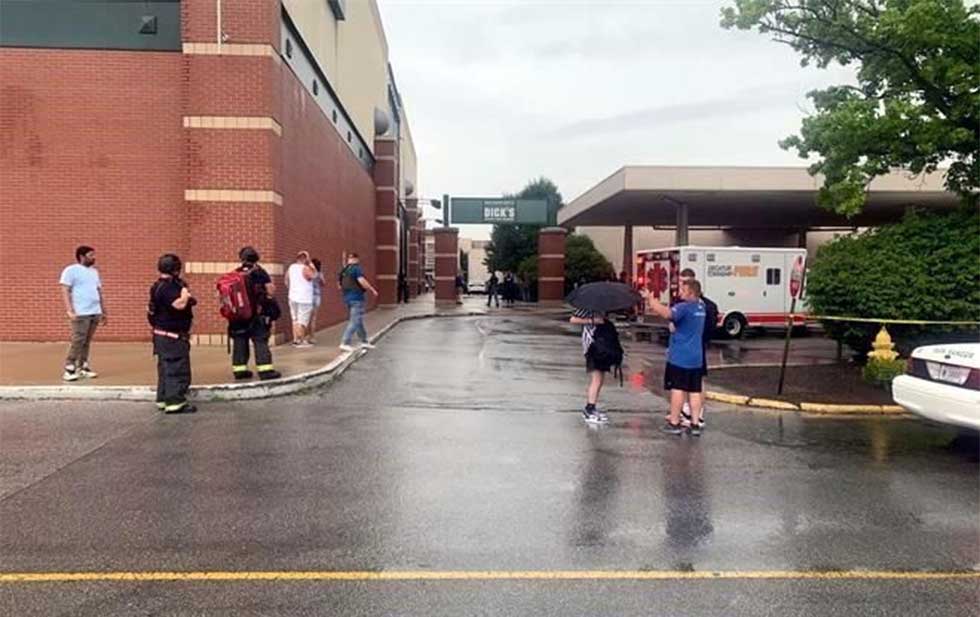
(299, 281)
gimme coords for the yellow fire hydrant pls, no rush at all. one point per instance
(884, 348)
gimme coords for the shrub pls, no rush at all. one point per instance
(924, 267)
(882, 372)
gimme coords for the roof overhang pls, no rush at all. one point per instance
(756, 197)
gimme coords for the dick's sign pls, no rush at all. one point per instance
(480, 210)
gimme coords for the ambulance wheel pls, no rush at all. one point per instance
(734, 325)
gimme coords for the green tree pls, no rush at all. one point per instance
(916, 104)
(924, 267)
(512, 244)
(583, 262)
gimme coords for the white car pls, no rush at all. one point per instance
(942, 383)
(476, 287)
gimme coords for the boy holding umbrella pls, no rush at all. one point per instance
(600, 341)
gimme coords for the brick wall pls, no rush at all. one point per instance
(141, 153)
(91, 152)
(328, 196)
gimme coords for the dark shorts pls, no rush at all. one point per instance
(592, 365)
(686, 379)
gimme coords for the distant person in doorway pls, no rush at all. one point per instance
(353, 284)
(299, 281)
(493, 289)
(460, 287)
(81, 291)
(402, 287)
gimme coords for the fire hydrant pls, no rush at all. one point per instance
(884, 348)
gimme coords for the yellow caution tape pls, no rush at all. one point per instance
(908, 322)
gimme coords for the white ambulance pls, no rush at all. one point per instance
(751, 286)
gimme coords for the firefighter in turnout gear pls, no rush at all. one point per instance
(258, 327)
(170, 313)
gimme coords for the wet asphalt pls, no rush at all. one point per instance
(456, 445)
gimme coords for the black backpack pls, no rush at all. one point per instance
(348, 282)
(606, 349)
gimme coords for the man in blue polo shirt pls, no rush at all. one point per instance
(685, 354)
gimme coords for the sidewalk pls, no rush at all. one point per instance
(132, 364)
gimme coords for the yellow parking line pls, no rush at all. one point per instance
(478, 575)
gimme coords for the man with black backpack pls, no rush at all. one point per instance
(170, 313)
(256, 324)
(603, 352)
(353, 283)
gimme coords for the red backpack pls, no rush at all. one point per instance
(233, 296)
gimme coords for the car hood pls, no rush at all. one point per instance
(960, 354)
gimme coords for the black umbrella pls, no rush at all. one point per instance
(604, 297)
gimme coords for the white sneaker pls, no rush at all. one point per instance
(367, 346)
(346, 348)
(70, 375)
(88, 373)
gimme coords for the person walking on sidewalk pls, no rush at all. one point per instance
(493, 289)
(299, 281)
(170, 313)
(265, 310)
(353, 284)
(81, 291)
(685, 354)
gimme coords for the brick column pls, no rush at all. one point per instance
(414, 266)
(551, 265)
(233, 145)
(447, 264)
(386, 219)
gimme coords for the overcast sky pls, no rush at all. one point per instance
(499, 92)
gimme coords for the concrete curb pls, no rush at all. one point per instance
(218, 392)
(811, 408)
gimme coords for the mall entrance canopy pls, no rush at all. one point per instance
(750, 197)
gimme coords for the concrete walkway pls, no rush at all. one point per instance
(132, 364)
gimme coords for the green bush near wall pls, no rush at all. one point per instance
(926, 267)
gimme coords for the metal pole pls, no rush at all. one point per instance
(789, 332)
(445, 210)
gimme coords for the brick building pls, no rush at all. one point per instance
(196, 127)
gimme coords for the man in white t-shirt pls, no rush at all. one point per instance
(81, 291)
(299, 281)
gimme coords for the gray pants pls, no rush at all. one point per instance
(82, 330)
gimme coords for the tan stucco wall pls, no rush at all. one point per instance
(352, 53)
(408, 159)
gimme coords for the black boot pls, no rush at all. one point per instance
(243, 374)
(264, 375)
